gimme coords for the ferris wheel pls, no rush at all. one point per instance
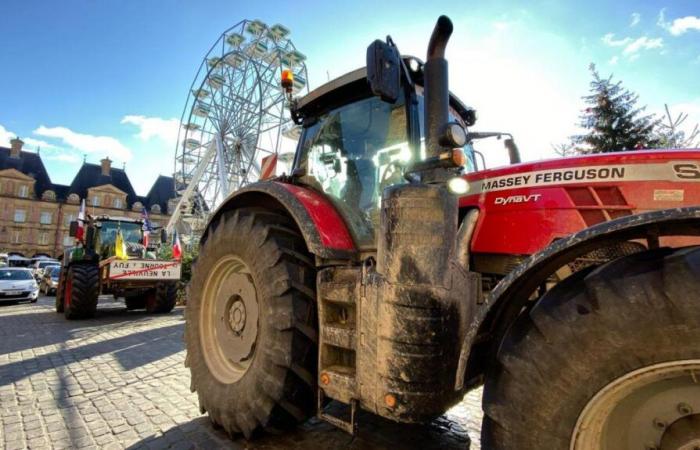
(234, 117)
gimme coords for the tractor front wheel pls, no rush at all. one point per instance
(607, 359)
(81, 288)
(251, 324)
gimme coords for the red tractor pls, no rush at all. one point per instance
(389, 272)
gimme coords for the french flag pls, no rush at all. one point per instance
(80, 233)
(177, 249)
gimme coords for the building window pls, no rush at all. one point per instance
(45, 218)
(155, 209)
(48, 195)
(67, 241)
(117, 203)
(96, 200)
(20, 215)
(69, 218)
(23, 191)
(74, 199)
(43, 238)
(17, 237)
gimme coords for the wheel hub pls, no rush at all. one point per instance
(237, 315)
(683, 434)
(229, 319)
(652, 408)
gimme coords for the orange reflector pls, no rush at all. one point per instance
(325, 379)
(458, 157)
(287, 79)
(390, 400)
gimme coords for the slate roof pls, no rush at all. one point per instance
(90, 175)
(162, 190)
(29, 164)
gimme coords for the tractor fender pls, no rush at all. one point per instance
(322, 227)
(503, 304)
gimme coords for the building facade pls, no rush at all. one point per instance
(35, 214)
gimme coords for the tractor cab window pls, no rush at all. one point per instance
(107, 235)
(352, 153)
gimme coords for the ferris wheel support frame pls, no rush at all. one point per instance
(192, 185)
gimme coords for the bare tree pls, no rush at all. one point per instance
(670, 134)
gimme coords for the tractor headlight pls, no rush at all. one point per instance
(458, 185)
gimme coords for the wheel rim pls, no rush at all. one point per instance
(652, 408)
(229, 319)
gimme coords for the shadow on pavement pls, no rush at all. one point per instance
(43, 326)
(374, 433)
(169, 339)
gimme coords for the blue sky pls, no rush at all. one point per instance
(111, 78)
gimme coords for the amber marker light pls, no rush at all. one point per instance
(458, 157)
(287, 80)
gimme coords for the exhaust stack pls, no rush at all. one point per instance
(436, 87)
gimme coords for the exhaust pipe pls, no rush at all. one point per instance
(436, 87)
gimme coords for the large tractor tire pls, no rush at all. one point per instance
(608, 359)
(161, 299)
(80, 291)
(135, 301)
(251, 326)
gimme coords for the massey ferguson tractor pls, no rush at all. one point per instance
(93, 268)
(389, 272)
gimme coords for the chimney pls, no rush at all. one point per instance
(16, 147)
(106, 166)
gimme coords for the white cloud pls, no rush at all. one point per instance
(87, 143)
(5, 136)
(69, 158)
(613, 60)
(642, 43)
(635, 18)
(684, 24)
(154, 127)
(37, 143)
(609, 40)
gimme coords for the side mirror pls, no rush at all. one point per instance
(73, 228)
(163, 235)
(384, 70)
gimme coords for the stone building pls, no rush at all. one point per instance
(35, 213)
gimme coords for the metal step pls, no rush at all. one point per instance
(339, 335)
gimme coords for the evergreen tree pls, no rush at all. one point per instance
(613, 120)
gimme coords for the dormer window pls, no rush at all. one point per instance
(117, 203)
(155, 209)
(73, 198)
(96, 200)
(23, 191)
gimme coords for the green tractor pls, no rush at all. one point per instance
(112, 259)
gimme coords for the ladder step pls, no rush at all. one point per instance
(339, 335)
(349, 426)
(338, 382)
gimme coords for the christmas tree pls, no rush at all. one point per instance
(613, 120)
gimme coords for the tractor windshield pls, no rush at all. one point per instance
(352, 153)
(107, 236)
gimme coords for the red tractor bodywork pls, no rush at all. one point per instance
(526, 207)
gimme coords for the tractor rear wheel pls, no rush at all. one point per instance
(608, 359)
(251, 324)
(161, 299)
(80, 291)
(135, 301)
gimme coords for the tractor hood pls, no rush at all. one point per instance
(536, 203)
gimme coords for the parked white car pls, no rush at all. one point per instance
(18, 284)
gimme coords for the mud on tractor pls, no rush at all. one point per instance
(92, 268)
(391, 272)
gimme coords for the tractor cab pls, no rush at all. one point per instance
(354, 144)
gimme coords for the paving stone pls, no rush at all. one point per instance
(92, 384)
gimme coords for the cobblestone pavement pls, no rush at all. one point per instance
(118, 381)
